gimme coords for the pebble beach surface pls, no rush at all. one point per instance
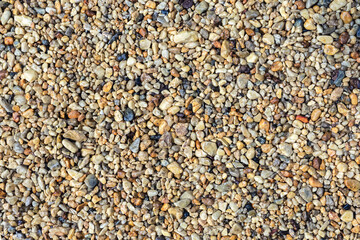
(212, 119)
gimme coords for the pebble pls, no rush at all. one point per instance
(30, 75)
(186, 37)
(337, 4)
(6, 105)
(175, 168)
(75, 135)
(346, 17)
(336, 94)
(310, 24)
(330, 50)
(315, 115)
(352, 184)
(325, 39)
(268, 39)
(209, 147)
(91, 181)
(128, 115)
(18, 148)
(286, 149)
(310, 3)
(70, 146)
(201, 7)
(134, 147)
(24, 21)
(252, 58)
(306, 194)
(252, 95)
(53, 164)
(347, 216)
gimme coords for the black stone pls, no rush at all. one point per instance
(187, 3)
(185, 214)
(248, 206)
(347, 206)
(128, 115)
(121, 57)
(261, 140)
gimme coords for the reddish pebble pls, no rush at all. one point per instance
(302, 119)
(73, 114)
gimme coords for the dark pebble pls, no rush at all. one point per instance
(358, 33)
(261, 140)
(324, 3)
(326, 137)
(185, 214)
(187, 3)
(91, 181)
(347, 206)
(328, 30)
(316, 163)
(299, 22)
(248, 206)
(121, 57)
(354, 83)
(165, 12)
(160, 238)
(344, 37)
(337, 78)
(45, 42)
(128, 115)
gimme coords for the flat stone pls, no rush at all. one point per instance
(268, 39)
(53, 164)
(347, 216)
(209, 147)
(306, 194)
(175, 168)
(186, 36)
(75, 174)
(134, 147)
(24, 21)
(336, 94)
(182, 203)
(70, 146)
(337, 4)
(252, 95)
(352, 184)
(75, 135)
(286, 149)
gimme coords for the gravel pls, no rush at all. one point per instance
(179, 119)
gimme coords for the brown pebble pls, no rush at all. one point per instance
(316, 163)
(326, 136)
(73, 114)
(344, 37)
(300, 5)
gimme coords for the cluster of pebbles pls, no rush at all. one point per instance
(184, 119)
